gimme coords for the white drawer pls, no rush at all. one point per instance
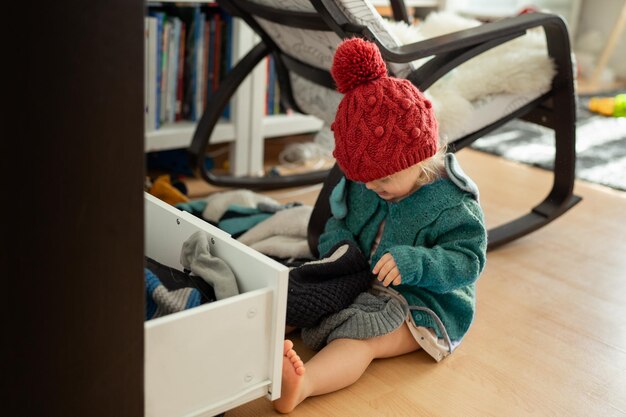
(209, 359)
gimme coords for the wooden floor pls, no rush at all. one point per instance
(549, 337)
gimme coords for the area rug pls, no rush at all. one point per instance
(600, 146)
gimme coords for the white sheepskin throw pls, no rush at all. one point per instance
(521, 66)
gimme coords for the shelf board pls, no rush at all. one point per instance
(289, 124)
(178, 135)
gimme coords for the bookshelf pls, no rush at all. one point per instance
(248, 126)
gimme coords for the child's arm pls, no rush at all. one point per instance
(334, 232)
(456, 258)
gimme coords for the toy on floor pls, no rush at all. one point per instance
(166, 190)
(609, 106)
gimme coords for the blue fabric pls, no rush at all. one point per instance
(195, 207)
(168, 304)
(152, 282)
(239, 219)
(193, 300)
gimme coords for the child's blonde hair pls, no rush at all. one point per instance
(432, 168)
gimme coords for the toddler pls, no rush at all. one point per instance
(410, 208)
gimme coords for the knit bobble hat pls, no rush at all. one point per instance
(383, 124)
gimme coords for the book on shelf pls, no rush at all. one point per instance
(211, 59)
(217, 50)
(167, 27)
(270, 90)
(227, 52)
(148, 123)
(278, 108)
(205, 62)
(157, 59)
(174, 44)
(189, 61)
(179, 73)
(199, 67)
(152, 78)
(273, 104)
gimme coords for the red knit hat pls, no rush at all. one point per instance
(383, 124)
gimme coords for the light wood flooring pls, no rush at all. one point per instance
(549, 337)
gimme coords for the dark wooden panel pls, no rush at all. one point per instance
(72, 234)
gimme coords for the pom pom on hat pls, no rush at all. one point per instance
(356, 62)
(383, 124)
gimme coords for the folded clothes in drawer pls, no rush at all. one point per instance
(204, 278)
(211, 358)
(169, 290)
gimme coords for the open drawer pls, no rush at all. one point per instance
(209, 359)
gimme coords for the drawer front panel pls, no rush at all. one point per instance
(211, 358)
(208, 357)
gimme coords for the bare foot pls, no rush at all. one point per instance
(293, 370)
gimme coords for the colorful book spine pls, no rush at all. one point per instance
(146, 63)
(180, 73)
(217, 57)
(160, 17)
(167, 27)
(205, 63)
(199, 33)
(267, 82)
(173, 69)
(211, 64)
(151, 78)
(276, 95)
(227, 47)
(189, 75)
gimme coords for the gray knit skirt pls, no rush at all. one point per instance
(371, 314)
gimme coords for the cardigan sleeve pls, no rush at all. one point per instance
(454, 260)
(334, 232)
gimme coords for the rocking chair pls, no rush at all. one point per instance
(302, 35)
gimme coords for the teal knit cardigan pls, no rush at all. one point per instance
(437, 237)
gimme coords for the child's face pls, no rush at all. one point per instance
(397, 186)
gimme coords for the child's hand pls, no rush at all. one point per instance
(387, 270)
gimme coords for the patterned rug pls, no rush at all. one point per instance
(600, 146)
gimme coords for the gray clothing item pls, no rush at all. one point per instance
(284, 235)
(218, 203)
(370, 315)
(284, 247)
(196, 257)
(169, 302)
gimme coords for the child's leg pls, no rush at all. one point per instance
(338, 365)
